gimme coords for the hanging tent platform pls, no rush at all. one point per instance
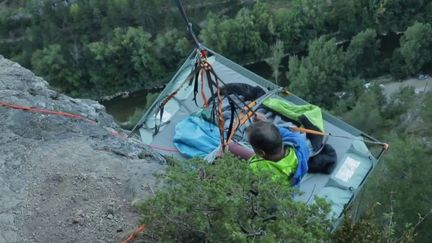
(354, 163)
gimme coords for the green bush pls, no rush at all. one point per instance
(227, 202)
(367, 229)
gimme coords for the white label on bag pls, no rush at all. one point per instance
(346, 171)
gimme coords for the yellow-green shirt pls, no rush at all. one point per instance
(283, 169)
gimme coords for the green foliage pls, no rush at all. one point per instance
(401, 182)
(246, 37)
(402, 102)
(367, 230)
(51, 63)
(227, 202)
(416, 44)
(343, 16)
(321, 74)
(367, 113)
(397, 15)
(170, 48)
(426, 113)
(276, 59)
(348, 100)
(293, 35)
(404, 178)
(241, 38)
(363, 53)
(29, 26)
(111, 71)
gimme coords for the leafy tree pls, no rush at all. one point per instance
(415, 43)
(319, 76)
(363, 53)
(239, 38)
(312, 11)
(342, 17)
(262, 16)
(397, 15)
(293, 35)
(51, 63)
(366, 114)
(227, 202)
(171, 47)
(401, 103)
(112, 71)
(275, 60)
(348, 99)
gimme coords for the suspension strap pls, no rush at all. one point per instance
(189, 24)
(203, 67)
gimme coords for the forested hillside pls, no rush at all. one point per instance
(90, 48)
(98, 47)
(93, 48)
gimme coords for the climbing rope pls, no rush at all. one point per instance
(45, 111)
(134, 234)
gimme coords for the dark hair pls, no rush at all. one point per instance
(265, 136)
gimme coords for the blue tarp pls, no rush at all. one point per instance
(195, 137)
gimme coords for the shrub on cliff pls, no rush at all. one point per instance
(226, 202)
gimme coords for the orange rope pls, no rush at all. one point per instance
(310, 131)
(247, 112)
(241, 119)
(134, 234)
(207, 67)
(202, 89)
(45, 111)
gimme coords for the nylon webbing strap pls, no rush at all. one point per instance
(188, 23)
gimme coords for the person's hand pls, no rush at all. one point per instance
(259, 117)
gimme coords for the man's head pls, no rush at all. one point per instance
(265, 139)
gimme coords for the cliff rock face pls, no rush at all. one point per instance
(64, 179)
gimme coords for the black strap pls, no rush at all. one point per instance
(231, 124)
(189, 24)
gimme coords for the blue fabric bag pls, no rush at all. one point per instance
(195, 137)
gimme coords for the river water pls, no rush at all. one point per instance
(122, 108)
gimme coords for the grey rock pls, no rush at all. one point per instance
(64, 179)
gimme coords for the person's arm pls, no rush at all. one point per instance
(240, 151)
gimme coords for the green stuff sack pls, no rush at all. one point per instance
(309, 116)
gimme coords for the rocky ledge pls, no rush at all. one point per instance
(65, 179)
